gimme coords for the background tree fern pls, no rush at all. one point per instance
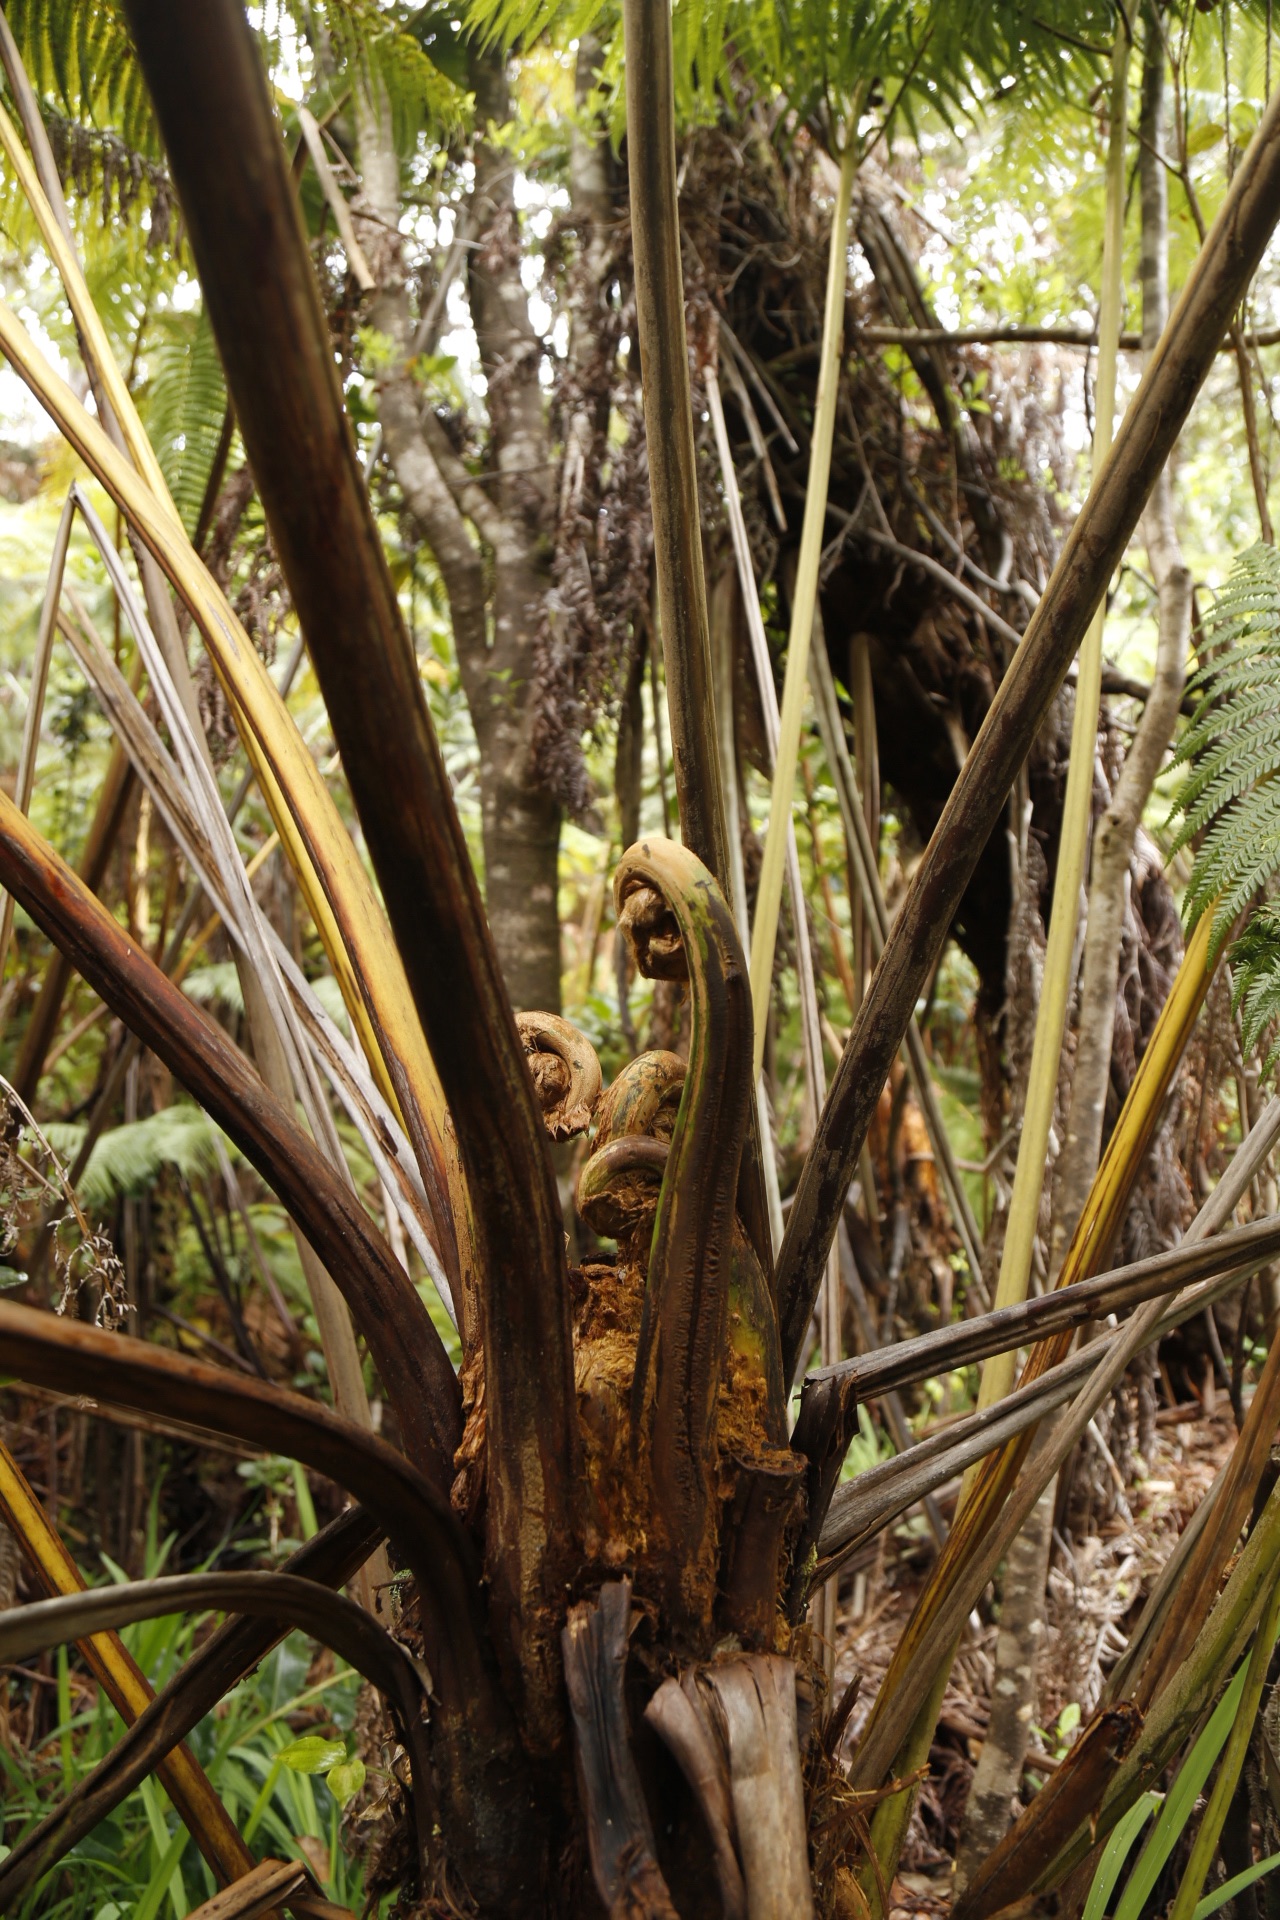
(186, 408)
(81, 56)
(1231, 752)
(129, 1158)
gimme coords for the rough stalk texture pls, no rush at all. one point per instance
(1090, 555)
(225, 152)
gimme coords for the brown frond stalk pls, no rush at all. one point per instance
(228, 162)
(1177, 369)
(409, 1353)
(680, 926)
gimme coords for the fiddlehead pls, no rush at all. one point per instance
(680, 927)
(565, 1070)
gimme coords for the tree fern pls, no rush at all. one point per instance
(186, 406)
(375, 46)
(80, 58)
(131, 1158)
(1231, 749)
(1229, 791)
(1255, 987)
(215, 985)
(79, 54)
(934, 57)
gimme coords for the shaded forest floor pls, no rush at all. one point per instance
(1096, 1588)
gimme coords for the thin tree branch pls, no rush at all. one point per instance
(1093, 549)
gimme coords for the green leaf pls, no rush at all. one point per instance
(1230, 793)
(1116, 1852)
(162, 1880)
(1230, 1888)
(312, 1754)
(1180, 1802)
(185, 410)
(1204, 137)
(345, 1779)
(306, 1506)
(130, 1158)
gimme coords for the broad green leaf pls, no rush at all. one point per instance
(1204, 137)
(312, 1754)
(345, 1779)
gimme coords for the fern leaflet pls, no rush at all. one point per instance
(1230, 793)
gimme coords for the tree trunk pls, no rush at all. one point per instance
(1116, 831)
(520, 817)
(999, 1769)
(496, 635)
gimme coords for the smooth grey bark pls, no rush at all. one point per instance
(1116, 831)
(1013, 1694)
(496, 611)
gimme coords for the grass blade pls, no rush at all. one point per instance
(117, 1673)
(1237, 1884)
(180, 1705)
(1180, 1803)
(1116, 1852)
(328, 1617)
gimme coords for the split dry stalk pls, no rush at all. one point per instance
(804, 601)
(26, 774)
(1154, 419)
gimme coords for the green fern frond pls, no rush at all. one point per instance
(79, 54)
(132, 1157)
(1255, 986)
(1240, 855)
(392, 57)
(1231, 755)
(186, 407)
(1228, 769)
(217, 985)
(928, 59)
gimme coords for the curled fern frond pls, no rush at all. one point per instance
(1231, 752)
